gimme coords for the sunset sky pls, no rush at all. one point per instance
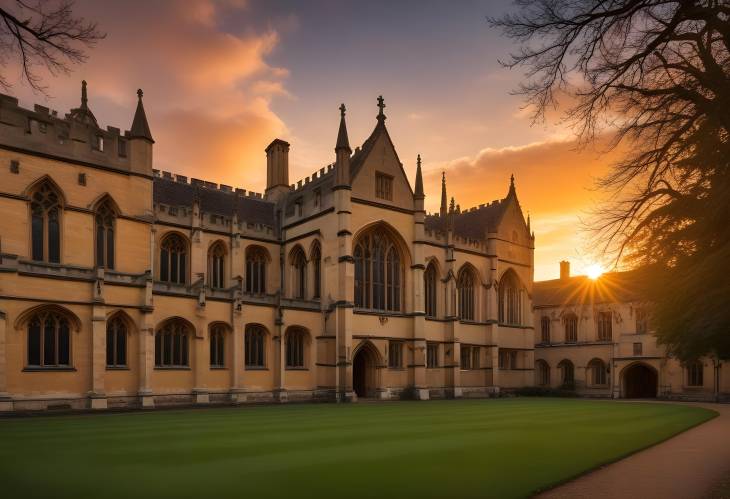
(222, 79)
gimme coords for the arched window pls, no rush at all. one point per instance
(116, 342)
(216, 265)
(298, 263)
(218, 346)
(295, 344)
(597, 372)
(316, 259)
(172, 345)
(605, 320)
(695, 373)
(510, 303)
(256, 259)
(378, 272)
(465, 288)
(49, 340)
(430, 277)
(255, 345)
(567, 372)
(642, 321)
(542, 373)
(105, 226)
(45, 208)
(545, 330)
(571, 328)
(173, 258)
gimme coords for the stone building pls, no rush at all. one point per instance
(121, 285)
(595, 336)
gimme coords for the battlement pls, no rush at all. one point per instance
(182, 179)
(318, 175)
(76, 137)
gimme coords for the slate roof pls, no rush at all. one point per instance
(252, 210)
(611, 287)
(472, 224)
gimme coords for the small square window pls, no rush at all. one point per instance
(14, 166)
(99, 143)
(317, 198)
(638, 349)
(82, 179)
(384, 186)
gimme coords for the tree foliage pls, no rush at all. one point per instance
(42, 34)
(655, 75)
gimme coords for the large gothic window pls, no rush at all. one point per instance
(571, 328)
(430, 278)
(510, 303)
(255, 346)
(316, 259)
(172, 345)
(465, 289)
(105, 226)
(116, 342)
(216, 265)
(597, 372)
(173, 259)
(49, 340)
(256, 259)
(45, 208)
(542, 373)
(567, 372)
(605, 321)
(299, 273)
(378, 272)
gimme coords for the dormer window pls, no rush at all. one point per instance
(383, 186)
(317, 198)
(298, 208)
(99, 143)
(122, 148)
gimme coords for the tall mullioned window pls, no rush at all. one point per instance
(295, 344)
(116, 342)
(642, 321)
(255, 346)
(571, 328)
(605, 320)
(597, 370)
(299, 273)
(378, 272)
(510, 303)
(105, 229)
(217, 265)
(383, 186)
(545, 330)
(695, 373)
(542, 373)
(465, 287)
(256, 260)
(45, 208)
(430, 278)
(316, 259)
(395, 354)
(432, 355)
(217, 346)
(567, 372)
(173, 259)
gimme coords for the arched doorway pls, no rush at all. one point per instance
(364, 371)
(640, 381)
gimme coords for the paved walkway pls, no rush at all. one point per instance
(687, 466)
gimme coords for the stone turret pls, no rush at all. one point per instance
(140, 140)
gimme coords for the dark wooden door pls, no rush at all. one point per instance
(641, 382)
(359, 374)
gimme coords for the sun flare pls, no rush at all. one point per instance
(594, 271)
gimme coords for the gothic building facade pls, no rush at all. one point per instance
(124, 286)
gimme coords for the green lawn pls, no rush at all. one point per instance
(456, 449)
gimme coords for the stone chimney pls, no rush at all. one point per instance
(564, 270)
(277, 170)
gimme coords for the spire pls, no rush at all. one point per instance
(528, 221)
(442, 211)
(140, 128)
(82, 113)
(342, 141)
(418, 193)
(381, 105)
(512, 185)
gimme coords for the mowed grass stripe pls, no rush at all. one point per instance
(480, 448)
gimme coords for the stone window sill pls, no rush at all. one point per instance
(40, 369)
(172, 368)
(256, 368)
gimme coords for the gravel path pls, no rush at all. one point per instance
(687, 466)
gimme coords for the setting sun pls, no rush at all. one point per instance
(594, 271)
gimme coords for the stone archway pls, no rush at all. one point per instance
(364, 371)
(640, 381)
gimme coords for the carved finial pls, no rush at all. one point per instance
(512, 180)
(418, 193)
(84, 98)
(139, 93)
(418, 161)
(381, 106)
(342, 110)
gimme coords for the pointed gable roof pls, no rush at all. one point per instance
(140, 128)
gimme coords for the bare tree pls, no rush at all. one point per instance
(43, 34)
(655, 75)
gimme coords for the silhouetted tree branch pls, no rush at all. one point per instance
(43, 33)
(656, 75)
